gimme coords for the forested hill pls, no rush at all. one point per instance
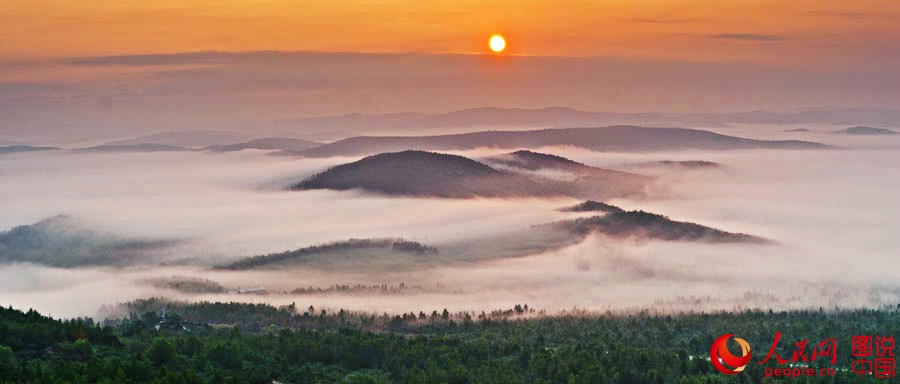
(67, 242)
(430, 174)
(593, 206)
(353, 251)
(651, 226)
(534, 161)
(329, 347)
(419, 173)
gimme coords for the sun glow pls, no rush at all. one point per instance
(497, 43)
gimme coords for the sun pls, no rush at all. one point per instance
(497, 43)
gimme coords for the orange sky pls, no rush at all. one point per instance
(778, 31)
(104, 66)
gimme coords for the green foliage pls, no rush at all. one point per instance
(503, 347)
(7, 360)
(162, 353)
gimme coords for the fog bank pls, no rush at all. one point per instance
(834, 214)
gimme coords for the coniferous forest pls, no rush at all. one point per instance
(174, 342)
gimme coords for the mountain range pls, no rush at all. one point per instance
(186, 139)
(25, 148)
(559, 117)
(393, 254)
(142, 147)
(330, 128)
(266, 143)
(615, 138)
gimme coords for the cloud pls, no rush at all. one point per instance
(663, 21)
(215, 57)
(183, 58)
(246, 91)
(832, 210)
(32, 88)
(855, 15)
(848, 14)
(747, 37)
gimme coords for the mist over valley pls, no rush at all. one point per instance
(663, 227)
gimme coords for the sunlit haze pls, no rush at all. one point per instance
(490, 191)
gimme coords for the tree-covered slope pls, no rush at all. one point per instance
(64, 241)
(333, 347)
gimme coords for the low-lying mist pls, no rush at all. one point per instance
(833, 213)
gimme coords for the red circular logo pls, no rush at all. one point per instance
(720, 354)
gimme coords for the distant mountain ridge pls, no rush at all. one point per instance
(614, 138)
(185, 139)
(25, 148)
(559, 117)
(673, 164)
(142, 147)
(266, 143)
(329, 128)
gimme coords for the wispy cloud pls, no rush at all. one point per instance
(747, 37)
(847, 14)
(215, 57)
(663, 21)
(148, 59)
(242, 89)
(855, 15)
